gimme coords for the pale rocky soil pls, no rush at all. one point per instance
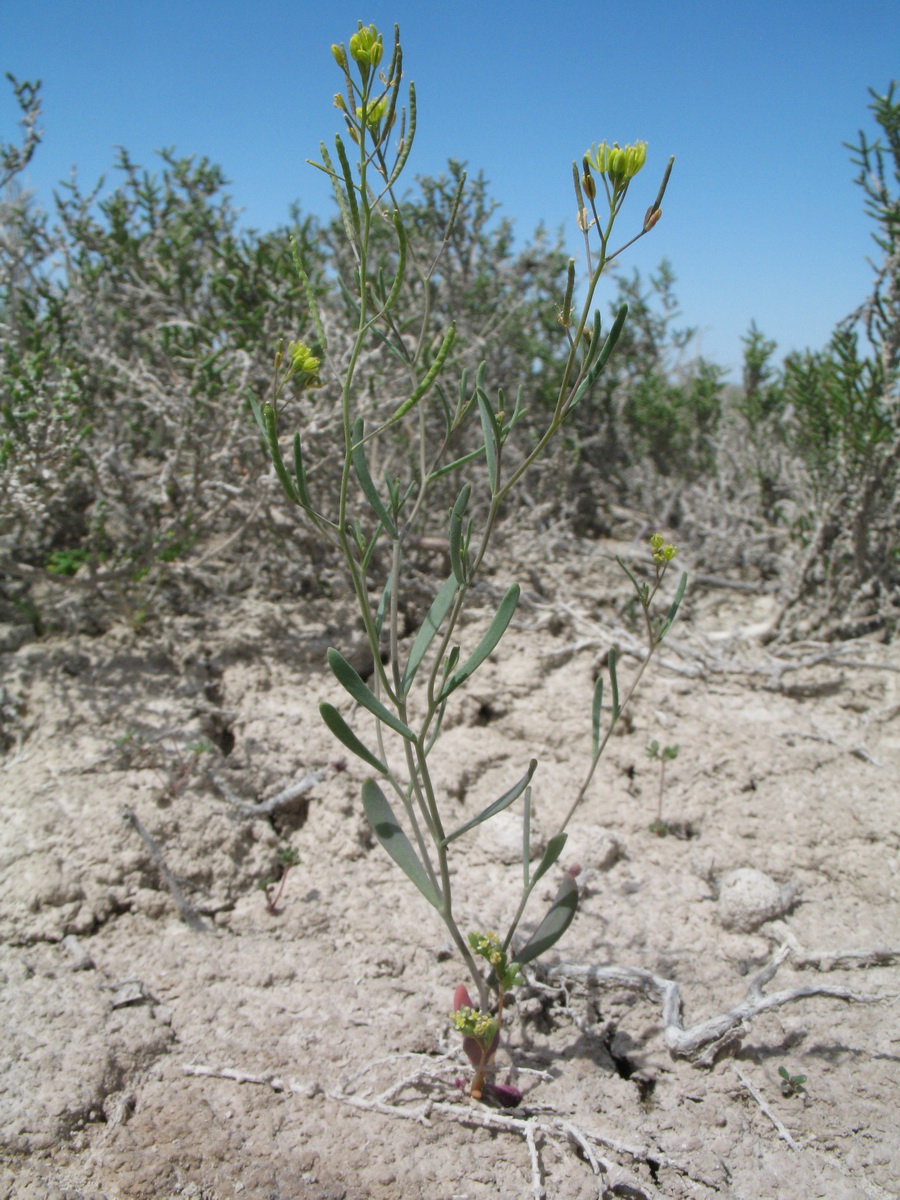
(120, 1021)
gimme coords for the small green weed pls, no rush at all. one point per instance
(288, 857)
(791, 1085)
(662, 754)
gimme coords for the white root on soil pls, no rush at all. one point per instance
(703, 1042)
(286, 796)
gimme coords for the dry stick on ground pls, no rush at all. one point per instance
(705, 1040)
(832, 960)
(527, 1127)
(782, 1131)
(857, 751)
(189, 915)
(286, 796)
(275, 1082)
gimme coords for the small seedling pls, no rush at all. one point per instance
(288, 857)
(174, 765)
(791, 1085)
(662, 754)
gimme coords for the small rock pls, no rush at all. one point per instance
(129, 992)
(81, 960)
(595, 846)
(748, 898)
(118, 1107)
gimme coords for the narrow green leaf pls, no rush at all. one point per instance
(673, 609)
(491, 434)
(550, 855)
(300, 472)
(594, 345)
(498, 806)
(463, 400)
(387, 830)
(611, 338)
(256, 409)
(614, 682)
(361, 467)
(526, 836)
(554, 925)
(595, 715)
(434, 618)
(634, 582)
(458, 462)
(338, 193)
(455, 535)
(487, 644)
(598, 363)
(350, 679)
(348, 738)
(450, 662)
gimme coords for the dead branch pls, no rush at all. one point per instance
(273, 1081)
(286, 796)
(189, 914)
(703, 1042)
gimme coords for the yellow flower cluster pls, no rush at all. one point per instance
(366, 45)
(619, 165)
(374, 113)
(471, 1022)
(487, 945)
(663, 551)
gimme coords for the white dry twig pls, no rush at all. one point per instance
(273, 1081)
(782, 1131)
(528, 1123)
(703, 1042)
(286, 796)
(189, 914)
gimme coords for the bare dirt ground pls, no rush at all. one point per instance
(163, 1035)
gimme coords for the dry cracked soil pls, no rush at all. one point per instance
(162, 1034)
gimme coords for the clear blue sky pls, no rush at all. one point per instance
(754, 99)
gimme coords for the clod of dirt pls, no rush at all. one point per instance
(594, 846)
(748, 898)
(501, 838)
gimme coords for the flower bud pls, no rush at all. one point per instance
(616, 165)
(339, 55)
(620, 165)
(587, 180)
(374, 113)
(366, 46)
(635, 157)
(304, 363)
(598, 156)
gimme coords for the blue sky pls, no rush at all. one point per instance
(762, 219)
